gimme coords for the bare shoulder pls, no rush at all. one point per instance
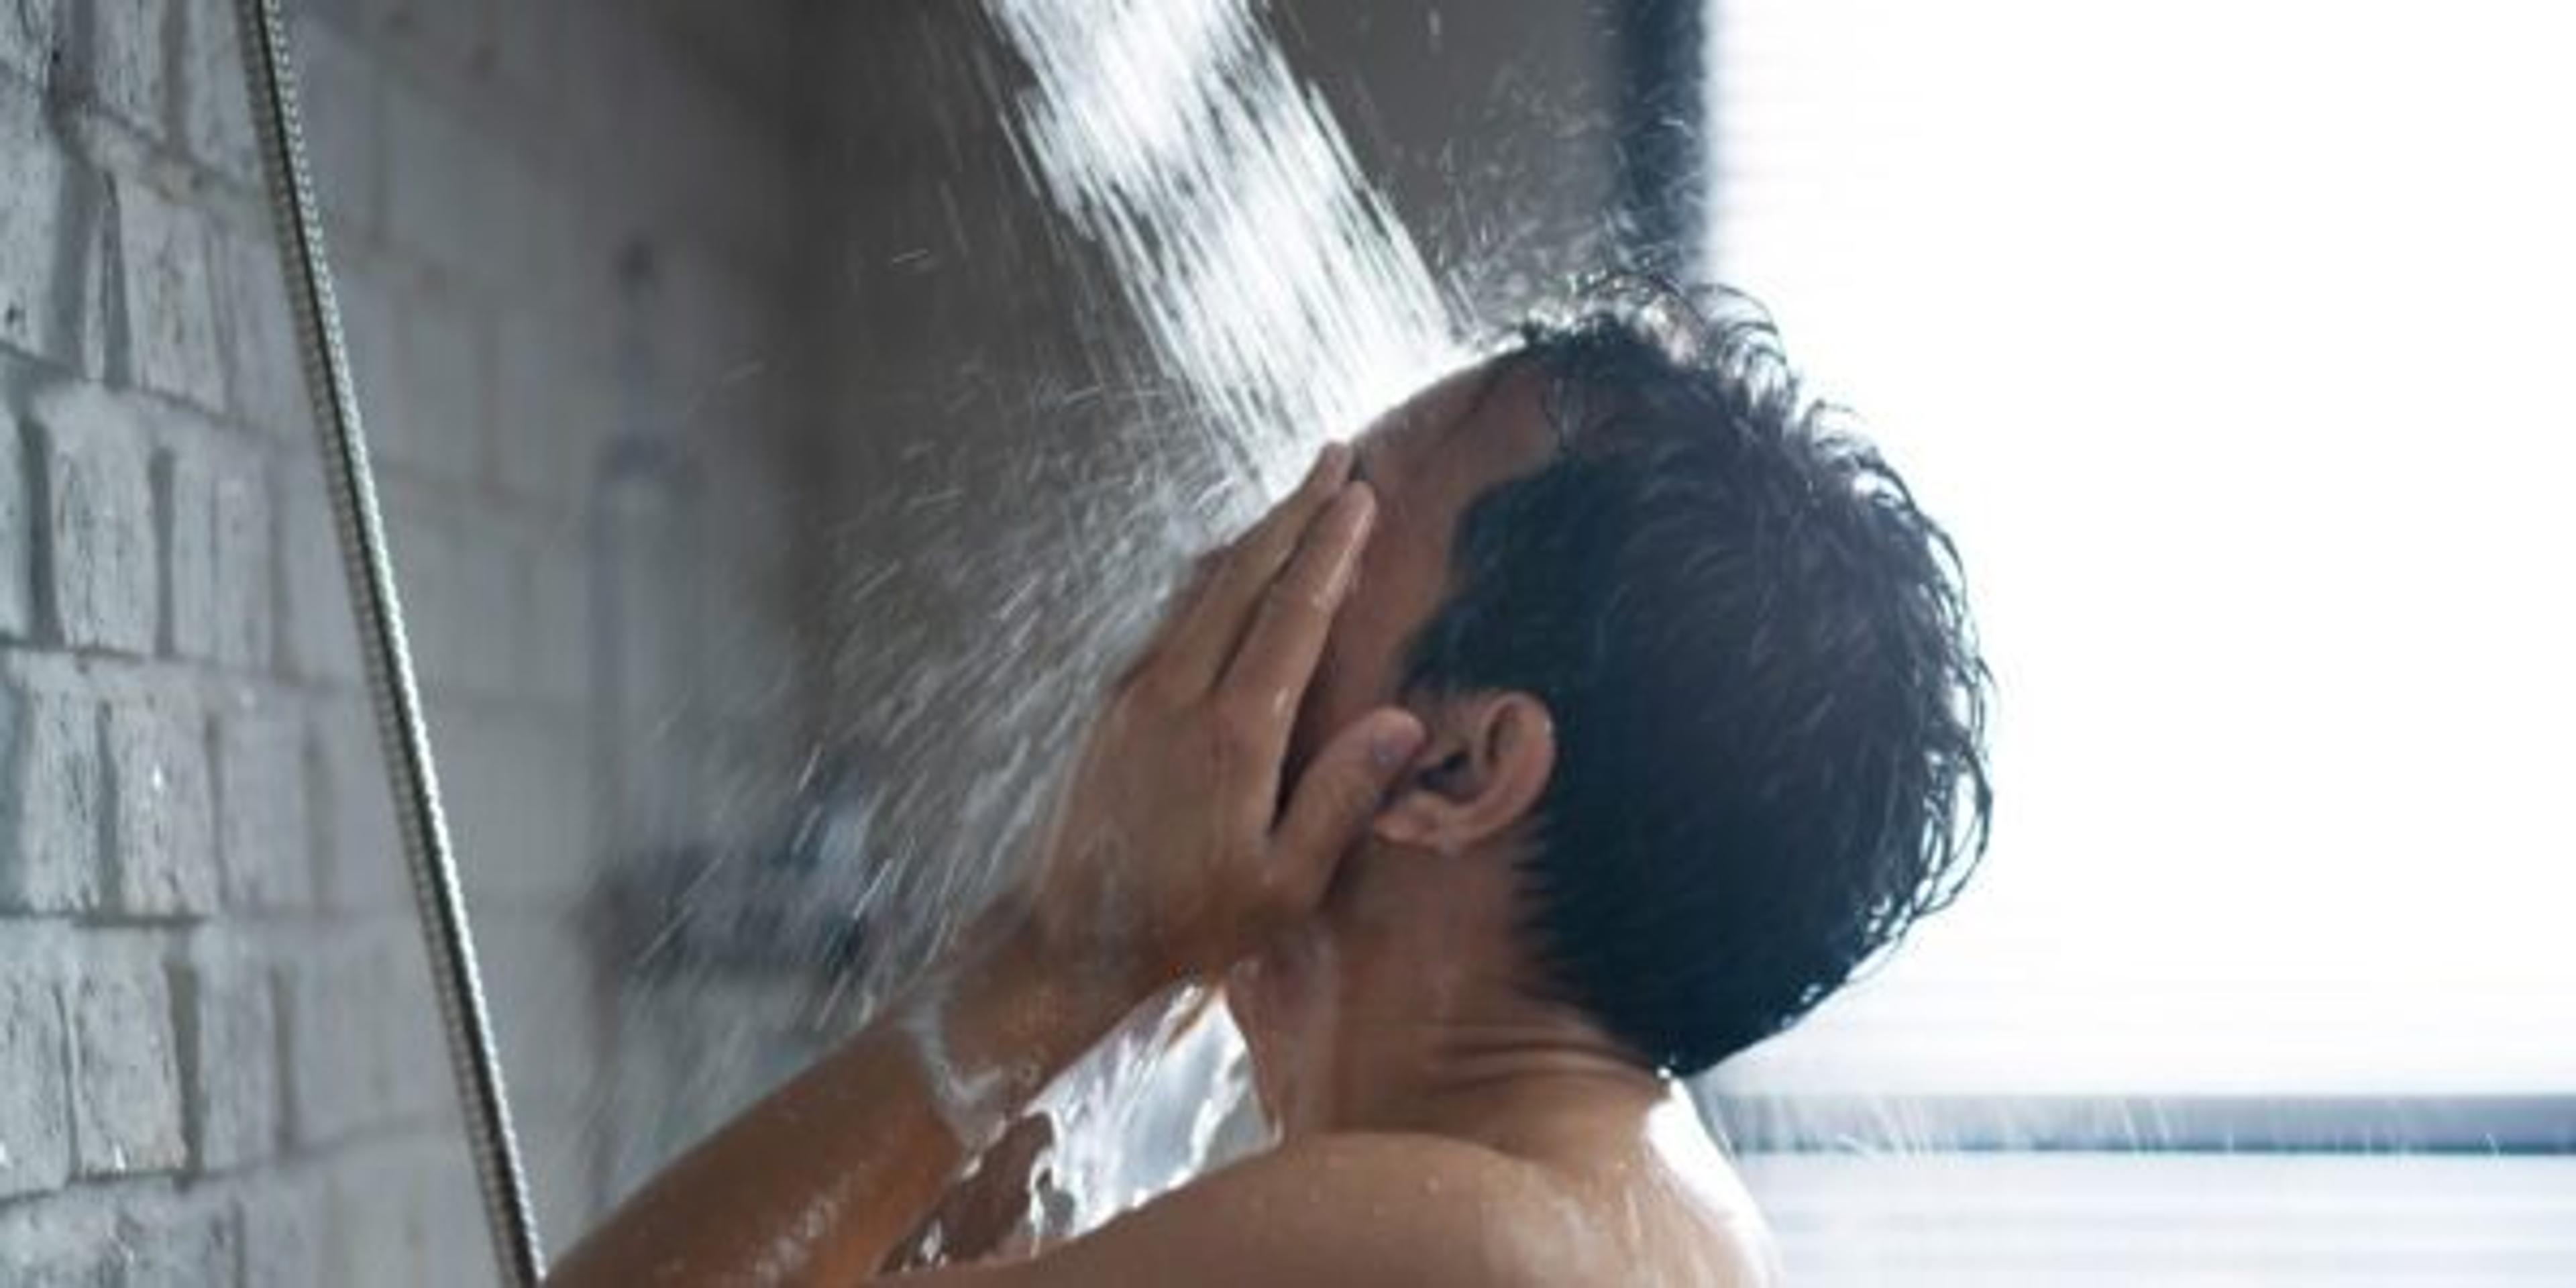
(1358, 1210)
(1350, 1210)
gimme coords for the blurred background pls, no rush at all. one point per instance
(774, 453)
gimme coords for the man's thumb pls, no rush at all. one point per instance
(1341, 789)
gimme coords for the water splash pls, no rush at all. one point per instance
(1271, 279)
(1145, 1112)
(1277, 289)
(1275, 302)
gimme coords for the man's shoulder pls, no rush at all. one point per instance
(1441, 1209)
(1431, 1170)
(1361, 1210)
(1369, 1148)
(1457, 1211)
(1350, 1211)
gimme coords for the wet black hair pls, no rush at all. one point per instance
(1769, 699)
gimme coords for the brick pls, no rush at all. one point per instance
(321, 636)
(215, 113)
(327, 1067)
(217, 570)
(169, 297)
(99, 493)
(125, 1080)
(231, 1066)
(362, 1036)
(264, 830)
(17, 536)
(57, 1241)
(359, 868)
(162, 807)
(115, 52)
(27, 38)
(281, 1235)
(176, 1241)
(374, 1228)
(184, 499)
(245, 569)
(408, 1056)
(264, 364)
(53, 796)
(35, 1112)
(52, 214)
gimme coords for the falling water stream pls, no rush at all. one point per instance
(1284, 304)
(1269, 276)
(1276, 285)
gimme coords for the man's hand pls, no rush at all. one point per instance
(1170, 855)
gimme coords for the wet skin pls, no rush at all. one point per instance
(1258, 805)
(1408, 1010)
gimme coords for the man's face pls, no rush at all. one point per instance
(1427, 460)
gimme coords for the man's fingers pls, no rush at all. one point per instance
(1177, 611)
(1276, 660)
(1342, 789)
(1209, 625)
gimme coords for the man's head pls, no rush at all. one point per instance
(1691, 660)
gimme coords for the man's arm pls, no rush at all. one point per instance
(1168, 859)
(817, 1181)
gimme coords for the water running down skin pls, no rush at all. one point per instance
(1443, 1118)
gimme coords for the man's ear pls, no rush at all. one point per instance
(1483, 766)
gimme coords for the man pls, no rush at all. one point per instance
(1590, 719)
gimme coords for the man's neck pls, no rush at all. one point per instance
(1467, 1054)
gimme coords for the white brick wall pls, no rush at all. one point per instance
(161, 817)
(124, 1068)
(35, 1112)
(264, 822)
(228, 1025)
(169, 297)
(97, 478)
(219, 1058)
(53, 792)
(17, 562)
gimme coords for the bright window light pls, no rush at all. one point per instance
(2235, 340)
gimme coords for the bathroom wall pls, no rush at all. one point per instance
(568, 241)
(673, 320)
